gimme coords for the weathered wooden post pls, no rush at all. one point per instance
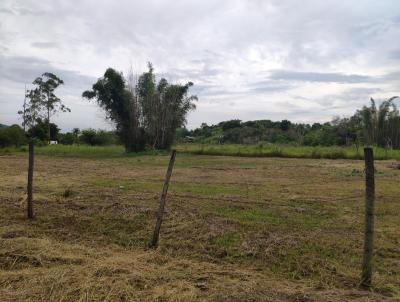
(30, 180)
(160, 213)
(366, 276)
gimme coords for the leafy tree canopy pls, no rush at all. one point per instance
(146, 112)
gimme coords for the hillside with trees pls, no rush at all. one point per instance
(371, 125)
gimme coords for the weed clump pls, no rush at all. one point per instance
(67, 193)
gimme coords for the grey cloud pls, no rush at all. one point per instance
(348, 101)
(269, 86)
(6, 11)
(362, 91)
(200, 74)
(26, 69)
(3, 49)
(396, 19)
(16, 71)
(318, 77)
(222, 46)
(395, 54)
(25, 8)
(392, 76)
(213, 91)
(44, 44)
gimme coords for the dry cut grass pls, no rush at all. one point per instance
(236, 229)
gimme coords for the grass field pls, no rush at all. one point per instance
(82, 151)
(286, 151)
(262, 150)
(236, 229)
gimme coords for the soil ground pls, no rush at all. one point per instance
(235, 229)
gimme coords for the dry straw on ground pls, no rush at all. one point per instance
(235, 229)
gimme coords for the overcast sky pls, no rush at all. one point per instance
(306, 60)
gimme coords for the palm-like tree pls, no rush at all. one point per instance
(381, 126)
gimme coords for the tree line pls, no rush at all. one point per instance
(370, 125)
(151, 113)
(14, 136)
(146, 112)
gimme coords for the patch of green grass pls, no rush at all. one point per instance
(286, 151)
(287, 218)
(80, 151)
(86, 151)
(203, 189)
(302, 258)
(359, 173)
(228, 244)
(267, 150)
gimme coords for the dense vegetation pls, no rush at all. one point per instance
(286, 151)
(146, 113)
(89, 137)
(151, 114)
(12, 136)
(369, 126)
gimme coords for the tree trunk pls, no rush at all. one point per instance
(48, 117)
(25, 110)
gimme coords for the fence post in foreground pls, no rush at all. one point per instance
(160, 213)
(366, 276)
(30, 180)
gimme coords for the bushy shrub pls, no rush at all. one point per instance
(12, 136)
(40, 130)
(66, 138)
(313, 138)
(97, 137)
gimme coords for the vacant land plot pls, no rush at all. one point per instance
(236, 229)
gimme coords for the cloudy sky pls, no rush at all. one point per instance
(306, 60)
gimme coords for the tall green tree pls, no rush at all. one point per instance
(146, 112)
(112, 94)
(381, 124)
(164, 108)
(76, 132)
(42, 101)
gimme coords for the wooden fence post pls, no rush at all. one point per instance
(30, 180)
(160, 213)
(366, 276)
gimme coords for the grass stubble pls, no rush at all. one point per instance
(236, 229)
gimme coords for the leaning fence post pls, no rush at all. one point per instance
(366, 276)
(30, 179)
(160, 213)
